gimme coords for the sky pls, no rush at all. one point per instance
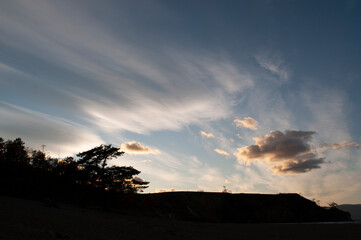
(254, 96)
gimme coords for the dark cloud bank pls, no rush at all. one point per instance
(288, 152)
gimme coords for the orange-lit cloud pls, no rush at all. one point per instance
(288, 152)
(341, 145)
(221, 152)
(247, 122)
(136, 148)
(336, 146)
(207, 135)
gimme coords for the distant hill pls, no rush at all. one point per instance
(240, 208)
(36, 220)
(353, 209)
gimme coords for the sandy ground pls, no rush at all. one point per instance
(24, 219)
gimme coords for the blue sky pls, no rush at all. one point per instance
(257, 96)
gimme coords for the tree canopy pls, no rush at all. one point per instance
(26, 170)
(120, 179)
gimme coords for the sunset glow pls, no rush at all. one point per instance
(255, 95)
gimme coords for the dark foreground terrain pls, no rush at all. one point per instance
(233, 208)
(25, 219)
(354, 209)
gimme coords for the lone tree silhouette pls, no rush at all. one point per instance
(95, 160)
(120, 179)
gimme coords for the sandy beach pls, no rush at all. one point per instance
(26, 219)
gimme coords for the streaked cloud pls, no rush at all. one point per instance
(207, 135)
(136, 148)
(98, 86)
(221, 152)
(7, 69)
(229, 76)
(275, 65)
(288, 152)
(61, 137)
(341, 145)
(247, 122)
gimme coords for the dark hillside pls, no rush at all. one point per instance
(241, 208)
(33, 220)
(353, 209)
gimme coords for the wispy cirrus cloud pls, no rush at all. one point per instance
(288, 152)
(222, 152)
(343, 144)
(61, 137)
(105, 71)
(117, 86)
(229, 76)
(247, 122)
(275, 65)
(137, 148)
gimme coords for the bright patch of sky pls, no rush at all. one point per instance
(192, 90)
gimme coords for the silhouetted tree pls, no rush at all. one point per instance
(30, 173)
(2, 149)
(139, 184)
(38, 160)
(15, 151)
(94, 161)
(118, 179)
(121, 179)
(66, 167)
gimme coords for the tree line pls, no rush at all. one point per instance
(34, 173)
